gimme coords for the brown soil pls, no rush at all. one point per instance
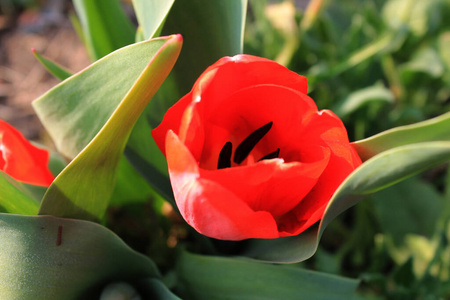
(22, 77)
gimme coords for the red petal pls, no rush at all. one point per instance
(209, 207)
(171, 121)
(231, 74)
(227, 76)
(324, 129)
(250, 108)
(22, 160)
(271, 185)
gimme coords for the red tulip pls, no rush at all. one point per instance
(249, 154)
(22, 160)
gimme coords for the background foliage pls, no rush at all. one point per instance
(377, 64)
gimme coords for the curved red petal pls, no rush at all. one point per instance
(227, 76)
(171, 121)
(22, 160)
(209, 207)
(249, 109)
(328, 130)
(271, 185)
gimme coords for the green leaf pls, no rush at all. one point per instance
(44, 257)
(209, 277)
(83, 189)
(379, 172)
(151, 15)
(56, 70)
(357, 99)
(436, 129)
(211, 29)
(105, 26)
(74, 111)
(15, 198)
(130, 186)
(417, 215)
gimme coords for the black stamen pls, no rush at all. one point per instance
(247, 145)
(225, 156)
(274, 154)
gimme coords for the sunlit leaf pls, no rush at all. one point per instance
(83, 189)
(75, 110)
(436, 129)
(151, 15)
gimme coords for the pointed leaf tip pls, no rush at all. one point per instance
(83, 189)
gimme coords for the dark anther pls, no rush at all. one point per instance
(274, 154)
(247, 145)
(225, 156)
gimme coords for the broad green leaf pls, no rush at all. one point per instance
(56, 70)
(418, 215)
(75, 110)
(211, 29)
(105, 26)
(209, 277)
(15, 198)
(379, 172)
(151, 15)
(129, 185)
(83, 189)
(44, 257)
(436, 129)
(357, 99)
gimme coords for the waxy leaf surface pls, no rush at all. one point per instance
(14, 197)
(43, 257)
(210, 277)
(151, 15)
(105, 26)
(83, 189)
(436, 129)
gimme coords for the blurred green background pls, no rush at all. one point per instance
(377, 64)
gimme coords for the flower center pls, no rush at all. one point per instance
(244, 148)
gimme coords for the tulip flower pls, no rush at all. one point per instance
(22, 160)
(250, 155)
